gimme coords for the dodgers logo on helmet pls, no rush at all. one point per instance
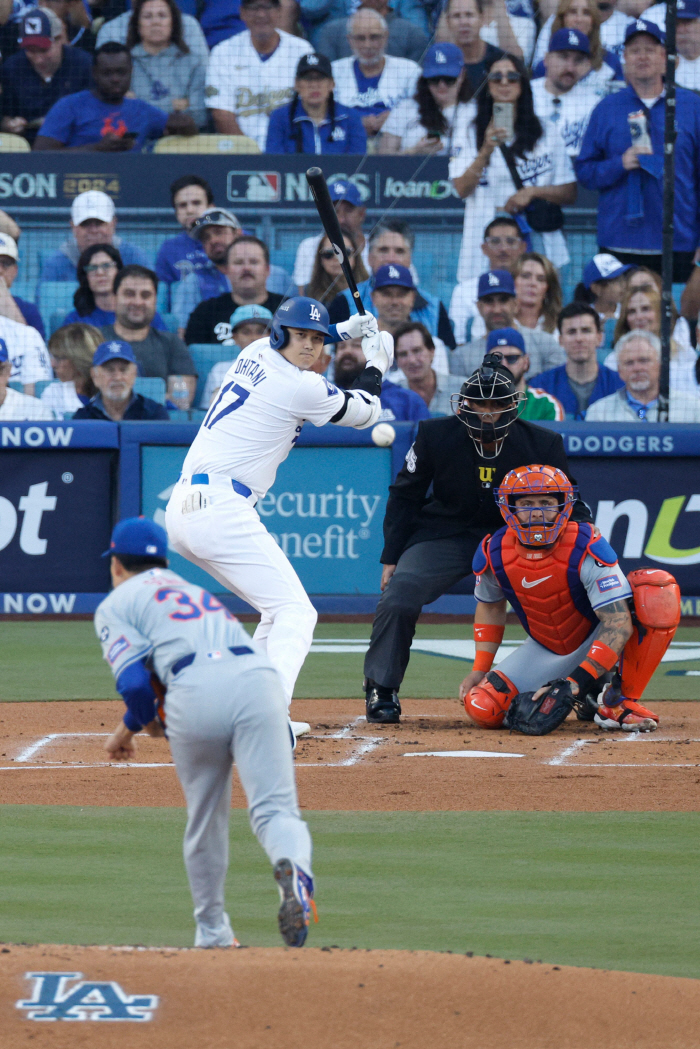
(314, 314)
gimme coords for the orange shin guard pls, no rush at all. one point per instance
(487, 703)
(657, 606)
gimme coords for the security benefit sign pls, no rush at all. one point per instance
(649, 510)
(325, 511)
(55, 521)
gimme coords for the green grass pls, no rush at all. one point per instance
(54, 660)
(611, 890)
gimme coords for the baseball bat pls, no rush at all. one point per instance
(327, 215)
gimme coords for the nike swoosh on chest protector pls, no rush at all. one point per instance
(535, 582)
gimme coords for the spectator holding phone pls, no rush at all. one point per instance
(424, 124)
(506, 131)
(622, 157)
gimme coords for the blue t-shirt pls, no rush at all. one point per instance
(101, 318)
(26, 94)
(31, 314)
(365, 84)
(404, 405)
(81, 119)
(179, 256)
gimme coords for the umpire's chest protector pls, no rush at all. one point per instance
(544, 586)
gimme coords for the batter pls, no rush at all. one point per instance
(223, 702)
(251, 427)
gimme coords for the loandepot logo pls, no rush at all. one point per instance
(436, 190)
(659, 546)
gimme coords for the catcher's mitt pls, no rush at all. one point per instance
(542, 717)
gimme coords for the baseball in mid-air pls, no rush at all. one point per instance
(383, 435)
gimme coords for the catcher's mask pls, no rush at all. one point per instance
(490, 382)
(535, 480)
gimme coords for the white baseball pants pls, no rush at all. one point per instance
(216, 714)
(226, 538)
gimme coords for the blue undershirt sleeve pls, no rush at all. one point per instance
(134, 686)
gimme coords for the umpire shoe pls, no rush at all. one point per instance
(296, 891)
(382, 704)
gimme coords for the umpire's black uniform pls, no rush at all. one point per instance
(433, 539)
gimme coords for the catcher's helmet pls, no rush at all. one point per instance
(535, 480)
(299, 312)
(490, 382)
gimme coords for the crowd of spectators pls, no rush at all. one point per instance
(527, 102)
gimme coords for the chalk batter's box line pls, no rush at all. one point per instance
(561, 760)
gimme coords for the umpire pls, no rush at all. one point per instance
(430, 539)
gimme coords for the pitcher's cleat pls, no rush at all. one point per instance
(299, 728)
(629, 716)
(296, 891)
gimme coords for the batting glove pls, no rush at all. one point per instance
(379, 350)
(359, 325)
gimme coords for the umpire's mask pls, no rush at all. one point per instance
(491, 387)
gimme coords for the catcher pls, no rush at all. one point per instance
(595, 637)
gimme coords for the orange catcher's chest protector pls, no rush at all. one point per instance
(544, 586)
(657, 613)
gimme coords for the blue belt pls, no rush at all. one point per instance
(242, 489)
(186, 661)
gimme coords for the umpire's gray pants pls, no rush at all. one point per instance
(423, 573)
(217, 714)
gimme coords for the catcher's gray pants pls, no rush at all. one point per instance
(217, 714)
(423, 573)
(532, 665)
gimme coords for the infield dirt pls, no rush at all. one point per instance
(51, 754)
(312, 999)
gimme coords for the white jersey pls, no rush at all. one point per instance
(60, 397)
(688, 73)
(547, 165)
(27, 351)
(240, 82)
(524, 31)
(404, 122)
(18, 407)
(257, 417)
(568, 113)
(159, 617)
(397, 81)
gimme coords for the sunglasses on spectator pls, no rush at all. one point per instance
(450, 81)
(509, 358)
(328, 253)
(497, 78)
(100, 267)
(499, 242)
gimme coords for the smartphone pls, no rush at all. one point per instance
(503, 117)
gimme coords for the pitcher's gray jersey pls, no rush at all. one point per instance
(157, 614)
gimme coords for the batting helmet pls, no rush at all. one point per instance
(493, 383)
(529, 522)
(299, 312)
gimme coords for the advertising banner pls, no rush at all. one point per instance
(55, 522)
(325, 510)
(269, 181)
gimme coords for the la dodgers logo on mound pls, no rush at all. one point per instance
(88, 1000)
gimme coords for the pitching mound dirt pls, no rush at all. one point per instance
(327, 999)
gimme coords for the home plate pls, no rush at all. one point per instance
(461, 754)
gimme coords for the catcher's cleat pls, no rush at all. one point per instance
(296, 891)
(382, 705)
(629, 716)
(586, 708)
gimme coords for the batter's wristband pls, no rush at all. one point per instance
(488, 632)
(483, 661)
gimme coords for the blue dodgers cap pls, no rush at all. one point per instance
(688, 9)
(393, 275)
(114, 350)
(343, 189)
(502, 337)
(603, 267)
(140, 537)
(250, 313)
(641, 25)
(495, 281)
(443, 60)
(570, 40)
(4, 355)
